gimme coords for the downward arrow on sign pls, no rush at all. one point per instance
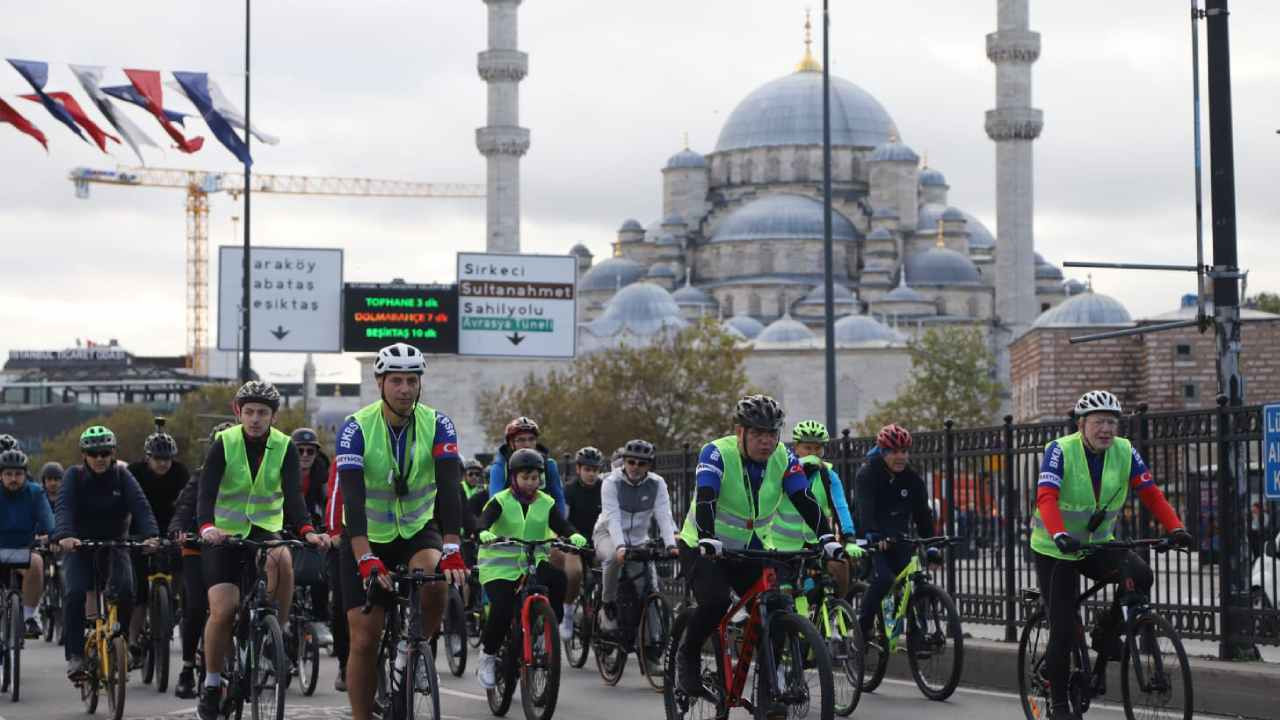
(280, 332)
(516, 338)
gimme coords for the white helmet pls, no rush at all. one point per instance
(1097, 401)
(400, 357)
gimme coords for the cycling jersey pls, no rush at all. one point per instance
(888, 502)
(554, 488)
(350, 454)
(161, 490)
(24, 514)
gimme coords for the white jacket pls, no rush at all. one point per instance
(627, 510)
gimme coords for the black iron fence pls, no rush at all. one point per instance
(982, 482)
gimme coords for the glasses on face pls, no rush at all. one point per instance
(306, 451)
(99, 453)
(632, 462)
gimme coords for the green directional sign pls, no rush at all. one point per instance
(506, 324)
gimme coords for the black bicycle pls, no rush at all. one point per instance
(408, 687)
(1154, 673)
(578, 648)
(454, 631)
(50, 610)
(158, 622)
(643, 618)
(303, 645)
(13, 630)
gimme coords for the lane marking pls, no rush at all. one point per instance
(1013, 696)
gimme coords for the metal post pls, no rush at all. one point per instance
(949, 501)
(1142, 435)
(828, 252)
(248, 190)
(1011, 517)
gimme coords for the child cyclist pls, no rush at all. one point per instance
(524, 512)
(811, 438)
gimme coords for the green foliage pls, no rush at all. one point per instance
(680, 389)
(1266, 302)
(951, 379)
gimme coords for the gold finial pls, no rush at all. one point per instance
(941, 242)
(807, 63)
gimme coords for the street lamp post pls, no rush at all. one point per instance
(828, 252)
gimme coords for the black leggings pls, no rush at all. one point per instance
(195, 605)
(341, 636)
(502, 604)
(1059, 588)
(711, 581)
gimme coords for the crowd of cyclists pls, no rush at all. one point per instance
(398, 496)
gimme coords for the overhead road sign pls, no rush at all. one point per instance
(296, 299)
(517, 305)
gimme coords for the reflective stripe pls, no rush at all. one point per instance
(780, 529)
(1100, 535)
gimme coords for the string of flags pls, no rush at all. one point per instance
(145, 90)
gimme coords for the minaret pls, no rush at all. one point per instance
(503, 141)
(1013, 125)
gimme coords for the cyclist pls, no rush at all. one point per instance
(583, 500)
(249, 488)
(25, 520)
(99, 500)
(741, 480)
(161, 477)
(313, 471)
(1085, 479)
(399, 469)
(890, 495)
(631, 498)
(474, 475)
(526, 513)
(51, 480)
(788, 531)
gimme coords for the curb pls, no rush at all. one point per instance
(1243, 690)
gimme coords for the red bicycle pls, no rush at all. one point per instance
(792, 664)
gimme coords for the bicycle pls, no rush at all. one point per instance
(532, 646)
(406, 665)
(453, 628)
(578, 648)
(477, 608)
(819, 599)
(644, 619)
(106, 649)
(303, 646)
(925, 615)
(50, 609)
(788, 651)
(13, 631)
(1142, 651)
(158, 622)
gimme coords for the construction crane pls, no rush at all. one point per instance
(199, 184)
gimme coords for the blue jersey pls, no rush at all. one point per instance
(710, 473)
(841, 502)
(1051, 469)
(350, 454)
(23, 515)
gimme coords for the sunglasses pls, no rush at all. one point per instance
(632, 462)
(307, 451)
(99, 453)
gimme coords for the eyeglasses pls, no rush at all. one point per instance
(632, 462)
(99, 453)
(307, 451)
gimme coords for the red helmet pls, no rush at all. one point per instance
(521, 424)
(893, 437)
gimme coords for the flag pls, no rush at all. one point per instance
(77, 113)
(129, 94)
(196, 87)
(228, 110)
(13, 117)
(36, 73)
(147, 83)
(89, 77)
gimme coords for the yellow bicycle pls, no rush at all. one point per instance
(106, 649)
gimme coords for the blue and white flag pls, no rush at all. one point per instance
(90, 78)
(130, 94)
(196, 87)
(228, 110)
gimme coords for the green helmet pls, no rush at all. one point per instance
(97, 437)
(810, 431)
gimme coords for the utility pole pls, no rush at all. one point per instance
(828, 252)
(248, 190)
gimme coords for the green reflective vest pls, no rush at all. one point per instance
(736, 520)
(390, 515)
(506, 562)
(1077, 501)
(789, 531)
(246, 500)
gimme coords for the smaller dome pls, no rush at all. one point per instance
(884, 212)
(733, 331)
(661, 271)
(894, 151)
(904, 293)
(641, 308)
(859, 329)
(631, 225)
(782, 216)
(674, 219)
(932, 178)
(952, 215)
(1048, 272)
(880, 234)
(840, 295)
(942, 266)
(611, 274)
(580, 250)
(786, 330)
(745, 324)
(686, 158)
(691, 296)
(1088, 309)
(1074, 287)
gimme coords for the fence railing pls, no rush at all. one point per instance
(982, 484)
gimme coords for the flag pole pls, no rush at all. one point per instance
(245, 370)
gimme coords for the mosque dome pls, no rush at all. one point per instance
(786, 330)
(611, 274)
(780, 217)
(894, 151)
(641, 308)
(904, 293)
(748, 326)
(1046, 270)
(953, 215)
(579, 250)
(815, 302)
(941, 266)
(979, 235)
(691, 296)
(686, 158)
(1074, 287)
(788, 111)
(932, 178)
(631, 225)
(1086, 309)
(858, 329)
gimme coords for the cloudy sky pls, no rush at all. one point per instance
(389, 90)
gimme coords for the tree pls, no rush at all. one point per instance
(951, 379)
(1266, 302)
(679, 389)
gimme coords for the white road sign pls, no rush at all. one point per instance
(517, 305)
(295, 298)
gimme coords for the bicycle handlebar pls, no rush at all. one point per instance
(245, 542)
(415, 577)
(1158, 544)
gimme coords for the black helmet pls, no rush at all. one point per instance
(9, 442)
(472, 464)
(160, 444)
(638, 449)
(760, 412)
(590, 457)
(256, 391)
(305, 436)
(213, 432)
(51, 470)
(525, 459)
(13, 459)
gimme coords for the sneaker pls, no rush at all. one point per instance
(210, 704)
(34, 628)
(487, 671)
(324, 638)
(186, 687)
(340, 682)
(566, 625)
(75, 668)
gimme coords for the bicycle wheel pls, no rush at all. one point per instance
(579, 644)
(17, 636)
(6, 648)
(269, 668)
(308, 658)
(839, 627)
(160, 615)
(800, 693)
(420, 697)
(875, 648)
(709, 704)
(499, 696)
(611, 657)
(540, 678)
(117, 676)
(89, 686)
(1155, 679)
(651, 646)
(455, 633)
(935, 643)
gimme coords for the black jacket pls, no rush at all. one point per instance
(102, 507)
(887, 503)
(161, 492)
(184, 510)
(584, 505)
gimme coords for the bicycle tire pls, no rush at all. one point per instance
(507, 671)
(656, 610)
(421, 684)
(578, 649)
(89, 686)
(17, 637)
(52, 607)
(801, 644)
(455, 633)
(267, 682)
(675, 703)
(162, 633)
(1132, 647)
(931, 644)
(6, 647)
(844, 645)
(308, 658)
(611, 657)
(540, 679)
(117, 680)
(1033, 687)
(875, 653)
(234, 678)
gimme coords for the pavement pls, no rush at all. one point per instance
(46, 695)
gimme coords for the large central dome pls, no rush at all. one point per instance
(788, 111)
